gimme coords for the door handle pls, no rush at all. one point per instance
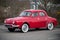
(38, 18)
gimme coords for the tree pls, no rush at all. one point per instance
(56, 1)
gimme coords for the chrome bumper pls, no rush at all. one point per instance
(11, 25)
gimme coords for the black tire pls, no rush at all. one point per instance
(11, 29)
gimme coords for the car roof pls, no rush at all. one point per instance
(32, 10)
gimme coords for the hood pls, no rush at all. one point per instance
(15, 18)
(11, 20)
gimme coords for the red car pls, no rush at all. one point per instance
(31, 19)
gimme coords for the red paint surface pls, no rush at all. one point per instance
(34, 22)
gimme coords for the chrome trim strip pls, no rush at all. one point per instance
(12, 25)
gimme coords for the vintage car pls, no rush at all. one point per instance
(31, 19)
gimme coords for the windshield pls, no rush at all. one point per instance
(25, 13)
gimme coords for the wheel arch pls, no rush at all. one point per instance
(27, 23)
(51, 22)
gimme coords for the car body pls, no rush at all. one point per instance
(31, 19)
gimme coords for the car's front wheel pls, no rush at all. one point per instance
(50, 26)
(25, 28)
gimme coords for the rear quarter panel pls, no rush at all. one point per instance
(53, 20)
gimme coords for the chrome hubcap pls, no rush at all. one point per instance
(50, 26)
(25, 28)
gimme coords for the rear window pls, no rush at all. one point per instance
(42, 14)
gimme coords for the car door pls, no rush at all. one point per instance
(42, 19)
(34, 21)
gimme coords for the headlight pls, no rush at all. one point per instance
(4, 21)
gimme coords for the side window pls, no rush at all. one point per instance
(35, 14)
(27, 13)
(42, 14)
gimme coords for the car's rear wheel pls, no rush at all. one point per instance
(25, 28)
(11, 29)
(50, 26)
